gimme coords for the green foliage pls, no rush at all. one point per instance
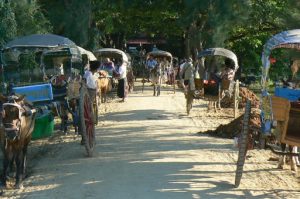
(8, 25)
(27, 61)
(70, 18)
(21, 17)
(123, 19)
(266, 18)
(240, 25)
(29, 18)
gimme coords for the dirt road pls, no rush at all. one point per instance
(148, 148)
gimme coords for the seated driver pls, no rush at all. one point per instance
(108, 66)
(228, 73)
(151, 63)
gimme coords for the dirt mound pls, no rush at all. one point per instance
(233, 129)
(244, 94)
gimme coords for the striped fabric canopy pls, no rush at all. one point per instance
(286, 39)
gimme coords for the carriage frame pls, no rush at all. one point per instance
(115, 54)
(54, 97)
(170, 79)
(280, 112)
(204, 82)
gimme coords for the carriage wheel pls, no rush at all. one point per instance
(236, 98)
(96, 103)
(243, 144)
(86, 114)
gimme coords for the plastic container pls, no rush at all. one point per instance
(44, 126)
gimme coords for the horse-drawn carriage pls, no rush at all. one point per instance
(118, 57)
(162, 72)
(280, 113)
(48, 70)
(210, 82)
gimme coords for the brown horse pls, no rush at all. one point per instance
(18, 119)
(103, 84)
(130, 79)
(295, 68)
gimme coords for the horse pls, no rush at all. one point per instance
(156, 79)
(130, 79)
(18, 117)
(103, 85)
(294, 160)
(295, 68)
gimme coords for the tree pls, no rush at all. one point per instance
(207, 23)
(8, 25)
(70, 18)
(266, 18)
(119, 20)
(29, 18)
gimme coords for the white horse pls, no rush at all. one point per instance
(156, 79)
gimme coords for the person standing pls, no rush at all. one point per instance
(122, 81)
(91, 78)
(187, 75)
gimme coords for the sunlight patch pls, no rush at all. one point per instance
(30, 189)
(92, 182)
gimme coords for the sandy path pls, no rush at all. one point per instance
(148, 148)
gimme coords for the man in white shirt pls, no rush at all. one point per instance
(90, 77)
(122, 81)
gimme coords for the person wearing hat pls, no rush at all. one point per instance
(228, 72)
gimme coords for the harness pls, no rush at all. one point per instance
(13, 133)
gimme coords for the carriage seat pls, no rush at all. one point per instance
(288, 114)
(209, 87)
(292, 135)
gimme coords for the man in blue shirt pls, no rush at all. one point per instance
(151, 63)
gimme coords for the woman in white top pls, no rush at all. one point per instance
(122, 81)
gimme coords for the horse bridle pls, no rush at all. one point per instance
(21, 113)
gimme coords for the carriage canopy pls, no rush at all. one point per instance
(25, 58)
(287, 39)
(40, 40)
(220, 52)
(111, 53)
(38, 43)
(160, 53)
(89, 54)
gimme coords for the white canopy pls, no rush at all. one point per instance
(89, 54)
(112, 53)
